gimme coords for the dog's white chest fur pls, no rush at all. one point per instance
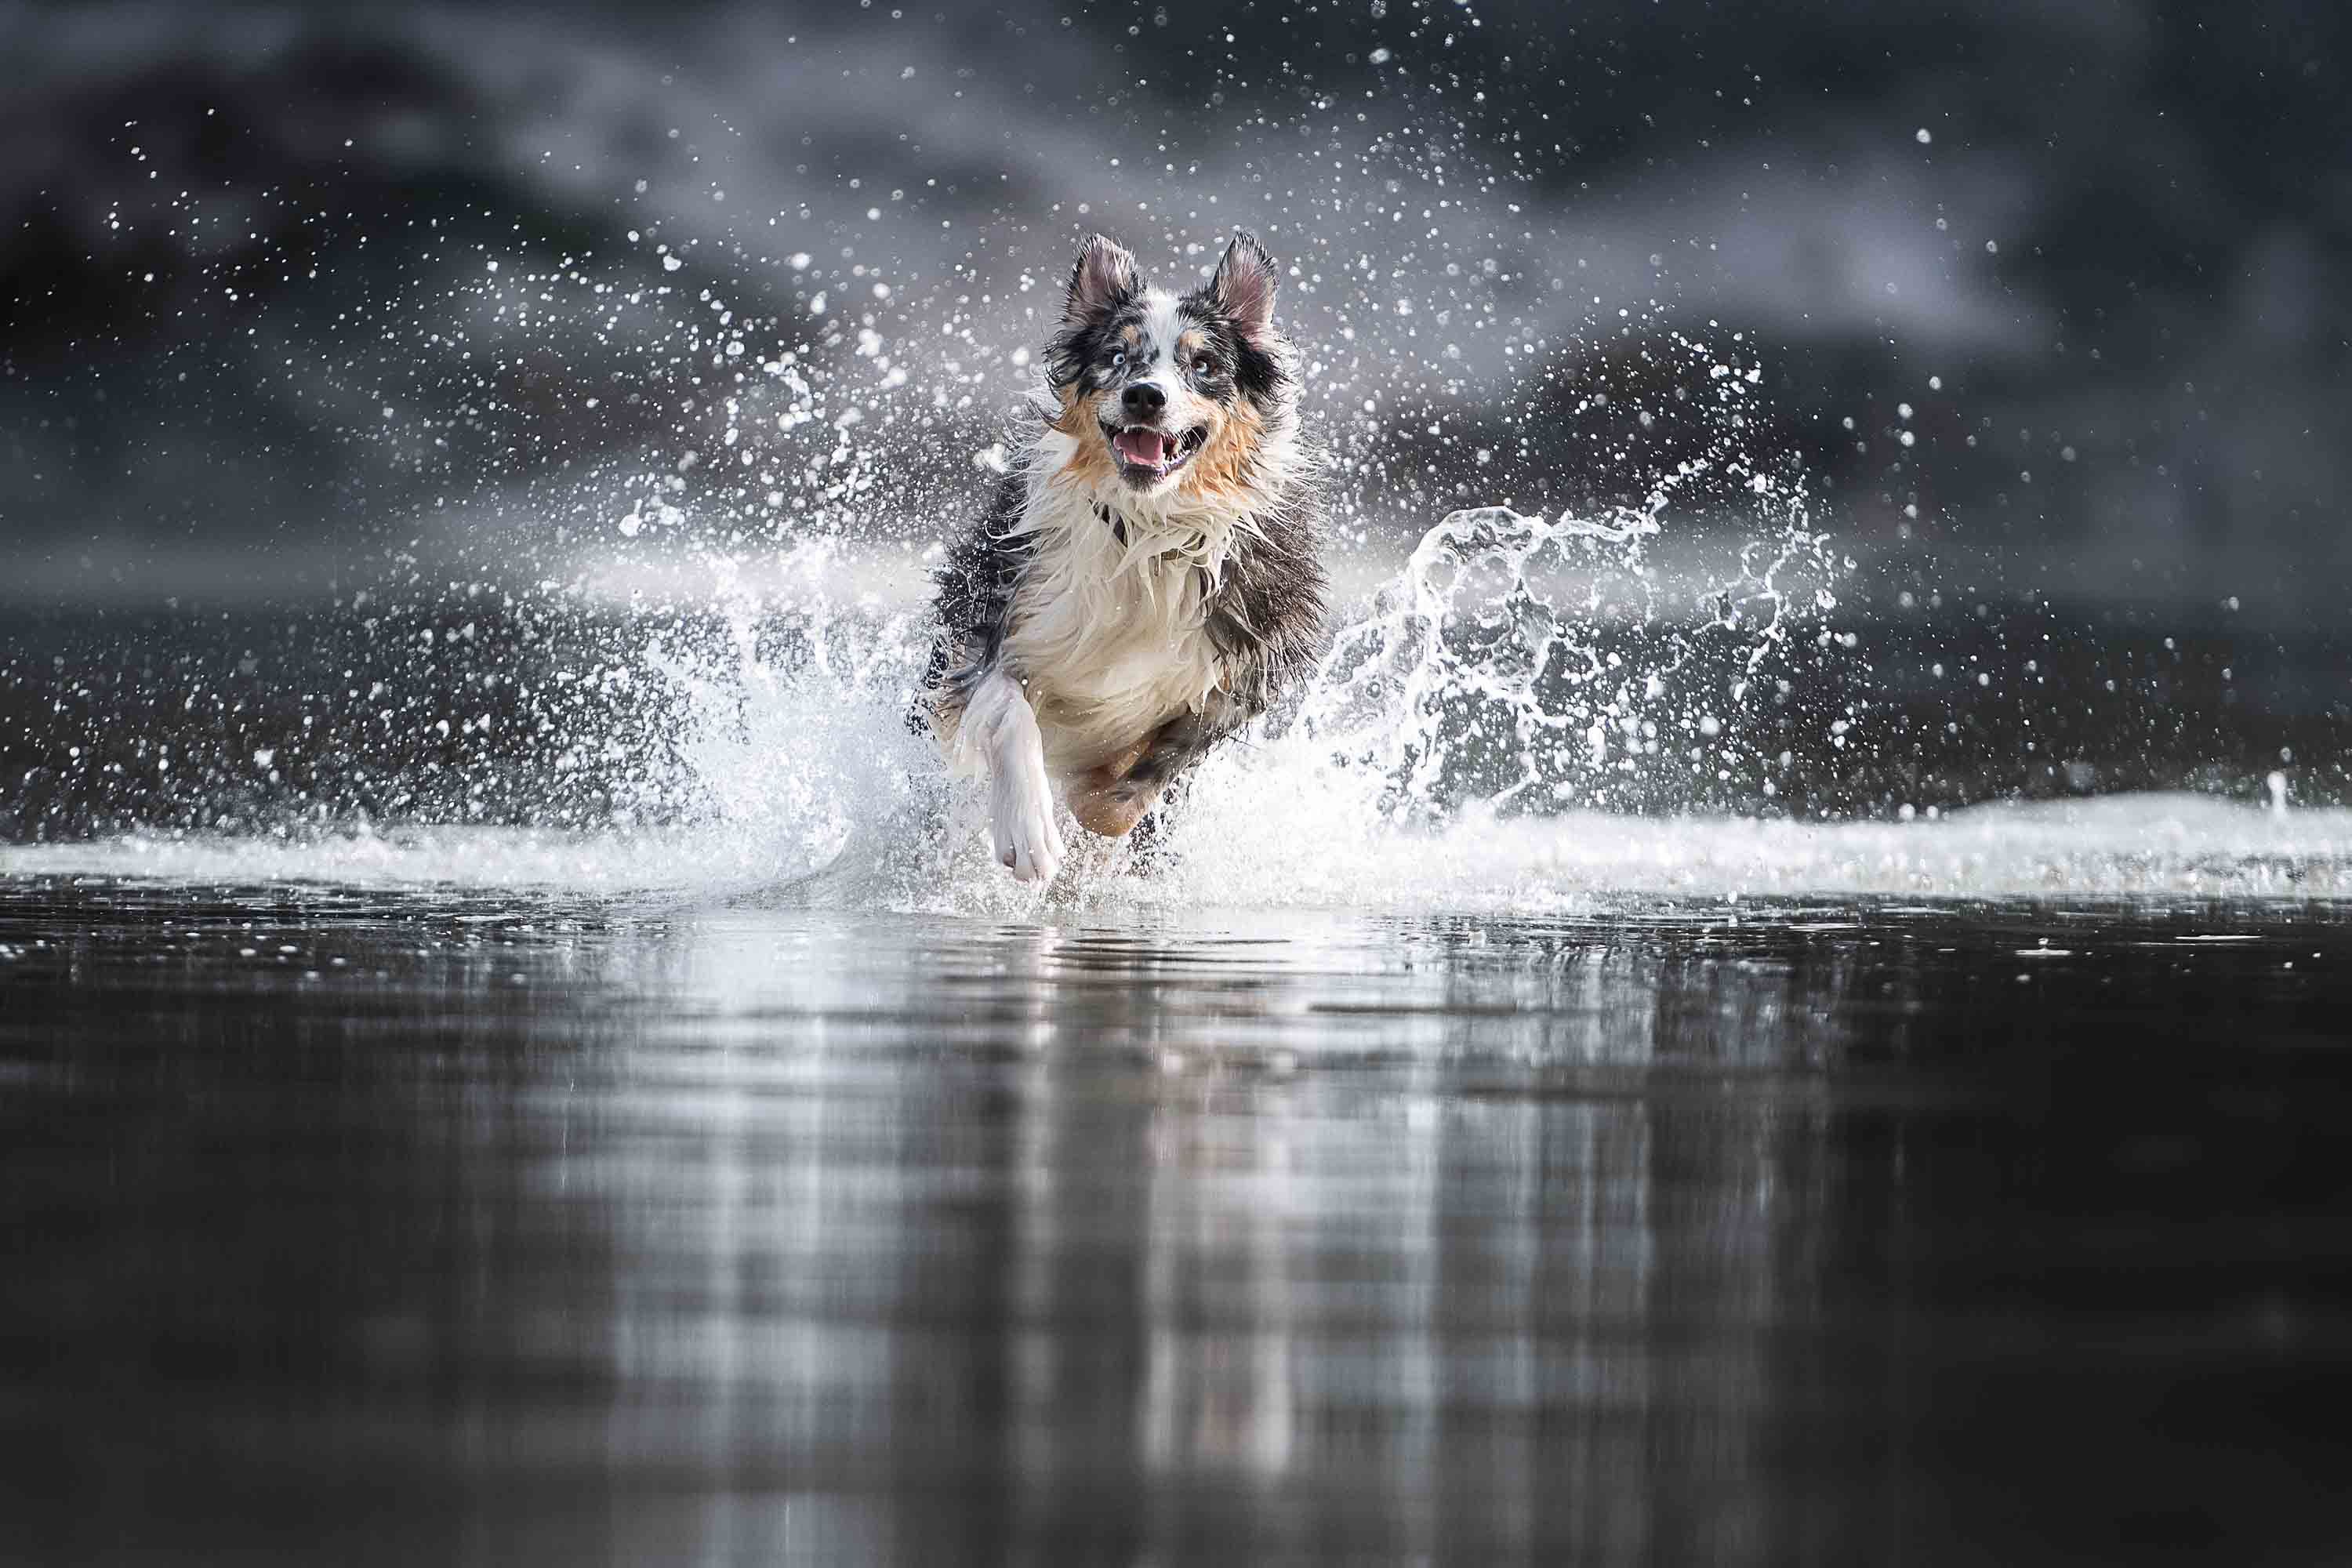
(1109, 634)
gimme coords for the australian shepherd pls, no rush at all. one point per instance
(1148, 579)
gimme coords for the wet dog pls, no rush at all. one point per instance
(1146, 581)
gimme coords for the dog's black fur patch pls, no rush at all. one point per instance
(976, 584)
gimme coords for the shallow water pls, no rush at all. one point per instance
(392, 1222)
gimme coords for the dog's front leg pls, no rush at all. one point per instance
(999, 722)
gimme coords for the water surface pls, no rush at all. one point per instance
(391, 1223)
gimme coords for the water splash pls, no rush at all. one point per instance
(1466, 745)
(1486, 672)
(1490, 731)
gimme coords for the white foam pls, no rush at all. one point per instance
(2125, 847)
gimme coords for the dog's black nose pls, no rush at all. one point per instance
(1144, 400)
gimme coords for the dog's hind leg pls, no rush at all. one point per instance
(1112, 798)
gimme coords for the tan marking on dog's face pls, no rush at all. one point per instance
(1075, 412)
(1090, 462)
(1219, 471)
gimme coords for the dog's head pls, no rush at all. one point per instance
(1180, 391)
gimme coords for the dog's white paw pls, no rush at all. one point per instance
(1021, 822)
(1020, 795)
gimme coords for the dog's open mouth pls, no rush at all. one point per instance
(1147, 454)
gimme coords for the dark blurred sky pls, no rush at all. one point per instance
(2090, 257)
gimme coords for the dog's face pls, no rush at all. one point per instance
(1177, 389)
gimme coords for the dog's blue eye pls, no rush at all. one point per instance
(1118, 356)
(1204, 365)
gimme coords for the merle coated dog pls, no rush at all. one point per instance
(1148, 579)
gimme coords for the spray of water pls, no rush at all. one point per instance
(1467, 745)
(1481, 735)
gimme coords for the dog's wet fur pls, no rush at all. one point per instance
(1148, 579)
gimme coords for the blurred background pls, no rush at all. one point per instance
(2039, 311)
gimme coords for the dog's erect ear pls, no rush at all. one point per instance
(1104, 278)
(1244, 287)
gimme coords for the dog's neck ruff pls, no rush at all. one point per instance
(1180, 527)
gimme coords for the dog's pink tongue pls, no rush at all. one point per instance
(1140, 447)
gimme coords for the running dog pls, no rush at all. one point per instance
(1148, 579)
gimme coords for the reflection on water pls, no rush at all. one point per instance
(357, 1226)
